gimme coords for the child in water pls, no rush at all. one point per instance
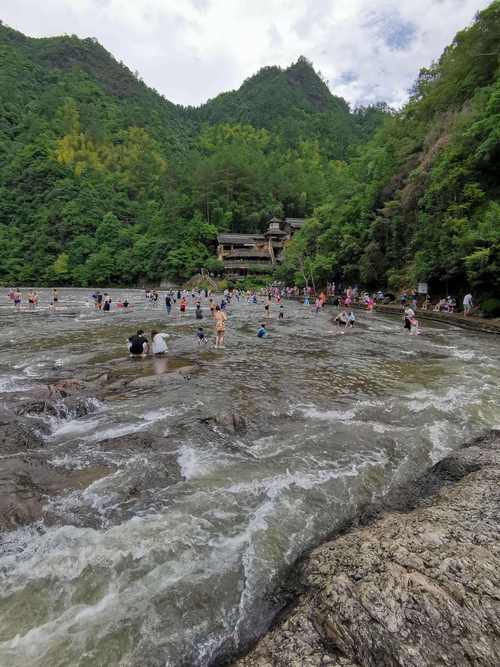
(351, 318)
(200, 335)
(262, 332)
(281, 316)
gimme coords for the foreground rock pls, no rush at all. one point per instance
(418, 588)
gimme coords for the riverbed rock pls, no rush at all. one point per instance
(230, 422)
(133, 442)
(27, 481)
(16, 436)
(72, 407)
(166, 470)
(150, 381)
(416, 589)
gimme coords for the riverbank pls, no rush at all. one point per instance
(456, 319)
(472, 322)
(418, 585)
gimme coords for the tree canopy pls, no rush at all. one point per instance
(420, 200)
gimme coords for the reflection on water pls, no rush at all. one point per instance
(142, 567)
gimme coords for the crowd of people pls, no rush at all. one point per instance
(340, 297)
(271, 297)
(216, 308)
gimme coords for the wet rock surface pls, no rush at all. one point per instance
(16, 436)
(73, 406)
(229, 423)
(27, 481)
(414, 588)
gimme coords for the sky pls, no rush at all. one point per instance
(190, 50)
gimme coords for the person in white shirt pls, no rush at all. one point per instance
(158, 345)
(409, 315)
(467, 304)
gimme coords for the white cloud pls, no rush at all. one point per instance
(190, 50)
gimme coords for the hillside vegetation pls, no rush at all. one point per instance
(421, 200)
(103, 181)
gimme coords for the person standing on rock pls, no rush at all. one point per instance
(168, 303)
(468, 304)
(220, 327)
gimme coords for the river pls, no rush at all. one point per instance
(140, 568)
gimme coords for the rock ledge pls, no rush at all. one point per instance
(414, 588)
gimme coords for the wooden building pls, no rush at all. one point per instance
(244, 254)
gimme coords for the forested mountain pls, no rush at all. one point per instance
(421, 200)
(42, 73)
(104, 181)
(296, 104)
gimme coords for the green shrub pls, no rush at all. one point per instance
(490, 307)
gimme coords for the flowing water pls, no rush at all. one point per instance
(138, 569)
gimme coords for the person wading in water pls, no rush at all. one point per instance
(220, 327)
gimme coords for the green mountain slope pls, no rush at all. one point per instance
(39, 73)
(104, 181)
(421, 201)
(296, 104)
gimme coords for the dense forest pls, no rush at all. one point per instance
(421, 199)
(103, 181)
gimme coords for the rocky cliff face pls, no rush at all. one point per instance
(413, 588)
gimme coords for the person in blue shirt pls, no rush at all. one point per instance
(262, 332)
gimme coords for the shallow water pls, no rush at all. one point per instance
(179, 574)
